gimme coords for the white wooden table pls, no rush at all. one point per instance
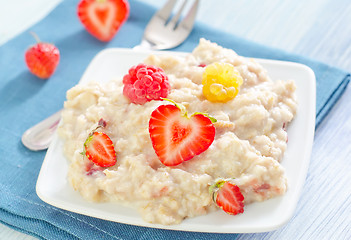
(320, 29)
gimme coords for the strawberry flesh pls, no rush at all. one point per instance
(176, 138)
(100, 150)
(103, 18)
(229, 198)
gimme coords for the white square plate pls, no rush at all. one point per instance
(53, 187)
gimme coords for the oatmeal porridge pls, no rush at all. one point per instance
(249, 142)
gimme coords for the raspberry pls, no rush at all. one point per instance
(221, 82)
(144, 83)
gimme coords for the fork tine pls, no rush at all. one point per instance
(189, 19)
(160, 36)
(172, 23)
(166, 10)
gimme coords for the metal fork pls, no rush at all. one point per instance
(164, 31)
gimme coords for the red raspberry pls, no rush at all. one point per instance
(144, 83)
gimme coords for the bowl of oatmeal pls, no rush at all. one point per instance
(263, 142)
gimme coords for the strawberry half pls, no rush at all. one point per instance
(176, 137)
(103, 18)
(228, 197)
(99, 149)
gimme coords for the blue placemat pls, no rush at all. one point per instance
(26, 100)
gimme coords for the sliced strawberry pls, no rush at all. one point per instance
(228, 197)
(176, 137)
(100, 150)
(103, 18)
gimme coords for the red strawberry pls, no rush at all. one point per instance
(42, 59)
(99, 148)
(176, 137)
(103, 18)
(228, 197)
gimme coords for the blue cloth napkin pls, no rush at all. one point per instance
(26, 100)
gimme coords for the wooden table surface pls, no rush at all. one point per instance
(320, 29)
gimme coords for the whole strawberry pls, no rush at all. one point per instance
(42, 59)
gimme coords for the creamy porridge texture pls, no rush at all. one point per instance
(249, 142)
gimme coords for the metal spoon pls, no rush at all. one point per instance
(40, 135)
